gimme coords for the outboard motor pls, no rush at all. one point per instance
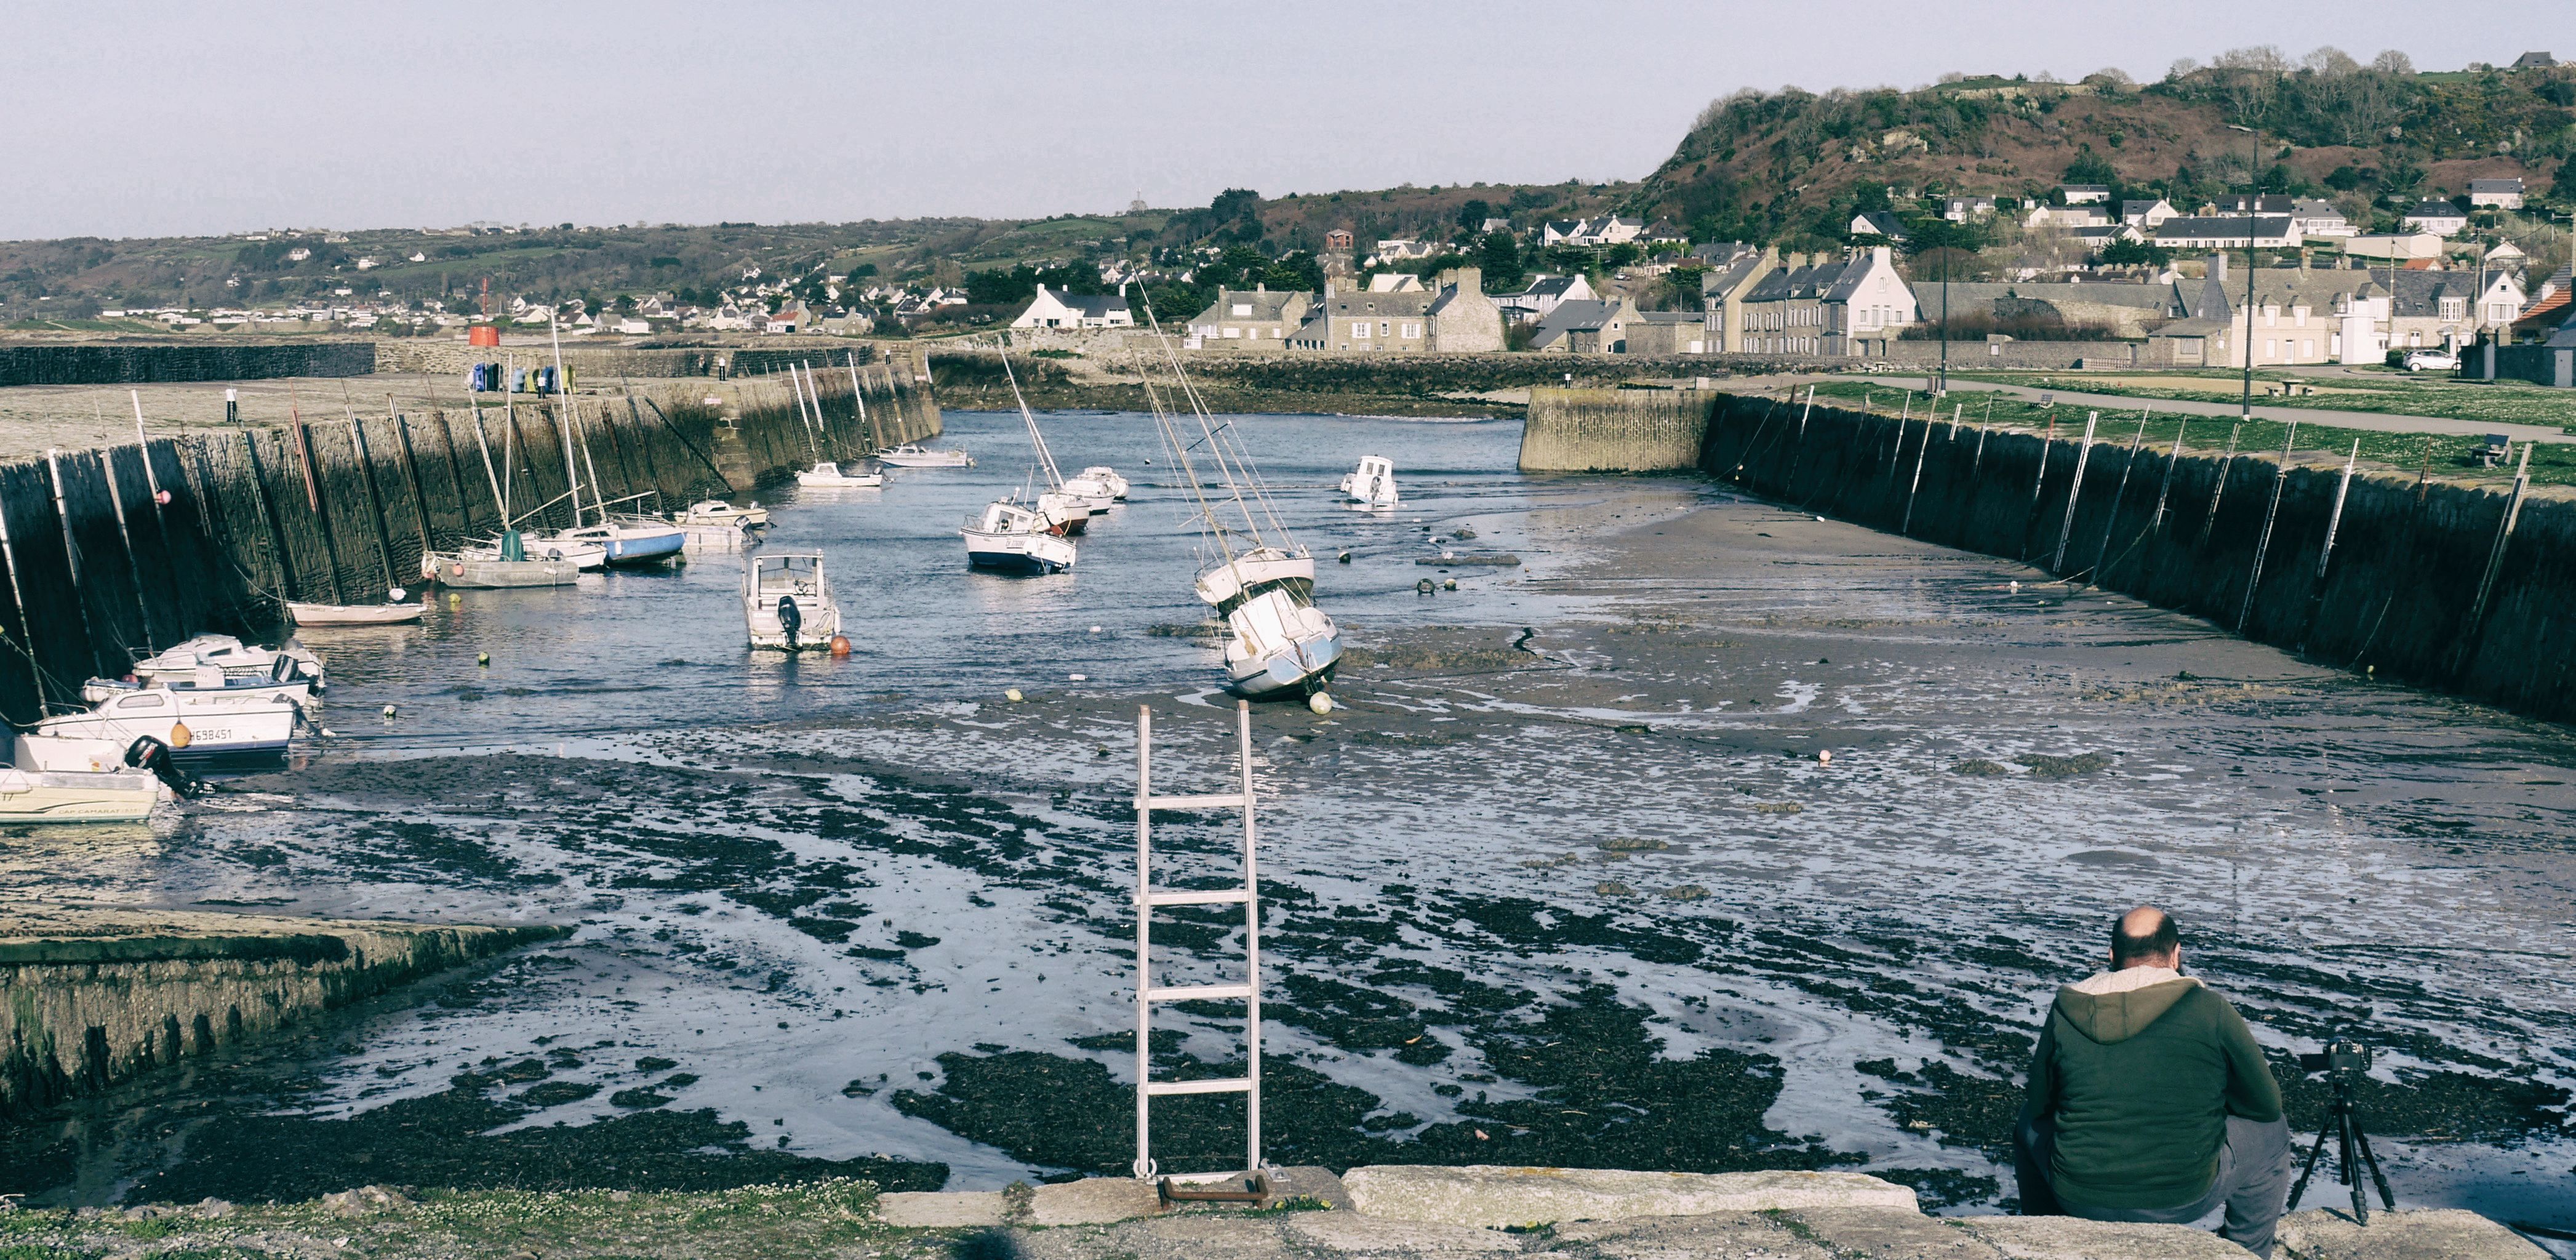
(147, 753)
(790, 619)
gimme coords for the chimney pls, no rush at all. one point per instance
(1879, 254)
(2218, 267)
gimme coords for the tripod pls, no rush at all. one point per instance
(2343, 1122)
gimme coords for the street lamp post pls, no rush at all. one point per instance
(2253, 198)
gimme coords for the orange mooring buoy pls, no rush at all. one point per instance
(180, 735)
(840, 645)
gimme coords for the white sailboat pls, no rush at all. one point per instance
(719, 512)
(506, 562)
(1258, 579)
(1372, 484)
(825, 473)
(235, 658)
(913, 455)
(1099, 481)
(1013, 537)
(1033, 537)
(622, 542)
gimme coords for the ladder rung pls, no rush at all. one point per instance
(1222, 800)
(1198, 992)
(1230, 1085)
(1196, 898)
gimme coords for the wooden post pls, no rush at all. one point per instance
(411, 473)
(2119, 496)
(2224, 463)
(2280, 478)
(1917, 483)
(2495, 561)
(2074, 490)
(2334, 519)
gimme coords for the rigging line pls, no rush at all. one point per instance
(1200, 410)
(1046, 458)
(1206, 514)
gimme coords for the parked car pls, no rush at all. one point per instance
(2439, 360)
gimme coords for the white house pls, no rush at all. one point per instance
(1609, 229)
(2086, 194)
(1962, 209)
(2082, 216)
(2148, 214)
(2395, 245)
(2503, 300)
(1543, 295)
(2440, 218)
(1877, 223)
(2317, 217)
(2503, 194)
(1050, 309)
(2228, 231)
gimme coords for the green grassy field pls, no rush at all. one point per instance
(2389, 393)
(2449, 456)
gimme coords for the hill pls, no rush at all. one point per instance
(1795, 166)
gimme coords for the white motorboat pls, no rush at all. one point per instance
(719, 512)
(64, 752)
(1016, 538)
(1263, 584)
(1099, 481)
(911, 455)
(828, 475)
(77, 796)
(1372, 484)
(787, 602)
(1066, 514)
(236, 658)
(198, 730)
(211, 688)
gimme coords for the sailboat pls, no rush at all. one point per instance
(1066, 513)
(1277, 642)
(1027, 537)
(623, 543)
(825, 473)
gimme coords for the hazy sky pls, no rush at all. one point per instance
(150, 119)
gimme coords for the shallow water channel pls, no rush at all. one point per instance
(1566, 882)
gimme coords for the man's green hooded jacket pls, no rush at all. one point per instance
(2139, 1082)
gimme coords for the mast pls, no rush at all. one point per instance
(563, 421)
(876, 440)
(1046, 458)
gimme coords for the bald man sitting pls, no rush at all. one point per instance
(2149, 1100)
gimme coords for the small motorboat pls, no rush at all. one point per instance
(787, 602)
(911, 455)
(1066, 514)
(828, 475)
(1372, 484)
(396, 610)
(211, 688)
(1016, 538)
(77, 796)
(68, 753)
(501, 567)
(236, 658)
(1099, 481)
(198, 729)
(719, 512)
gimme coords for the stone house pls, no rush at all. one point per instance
(1722, 291)
(1050, 309)
(2126, 311)
(1592, 327)
(1820, 307)
(1259, 318)
(1668, 333)
(1453, 314)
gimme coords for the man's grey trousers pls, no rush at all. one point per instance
(2253, 1178)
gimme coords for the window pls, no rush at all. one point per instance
(2271, 349)
(2307, 349)
(1360, 329)
(2299, 316)
(1413, 330)
(2454, 308)
(1243, 310)
(1385, 329)
(1233, 332)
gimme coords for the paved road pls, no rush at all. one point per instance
(2306, 415)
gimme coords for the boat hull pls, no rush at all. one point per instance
(643, 549)
(112, 796)
(902, 457)
(497, 575)
(1017, 553)
(211, 738)
(1300, 670)
(353, 614)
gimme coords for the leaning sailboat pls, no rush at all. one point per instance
(1277, 642)
(1032, 537)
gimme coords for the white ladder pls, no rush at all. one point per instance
(1147, 993)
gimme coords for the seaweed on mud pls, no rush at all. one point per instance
(1962, 1110)
(1356, 1019)
(1163, 1040)
(554, 1093)
(2436, 1106)
(1634, 844)
(2047, 767)
(1979, 767)
(1516, 921)
(447, 1140)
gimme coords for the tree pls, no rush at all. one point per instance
(1500, 255)
(1472, 215)
(2090, 168)
(2123, 253)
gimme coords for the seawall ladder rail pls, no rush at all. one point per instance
(1248, 895)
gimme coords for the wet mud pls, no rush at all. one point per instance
(1718, 838)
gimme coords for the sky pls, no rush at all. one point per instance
(138, 119)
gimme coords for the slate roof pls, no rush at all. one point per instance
(2436, 210)
(2511, 185)
(1788, 283)
(2221, 227)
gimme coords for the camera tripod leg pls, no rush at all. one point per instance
(2309, 1169)
(2351, 1168)
(2386, 1198)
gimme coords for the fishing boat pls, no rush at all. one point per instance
(1099, 481)
(787, 602)
(826, 473)
(1372, 484)
(911, 455)
(501, 567)
(719, 512)
(77, 796)
(1277, 642)
(206, 730)
(234, 657)
(1015, 538)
